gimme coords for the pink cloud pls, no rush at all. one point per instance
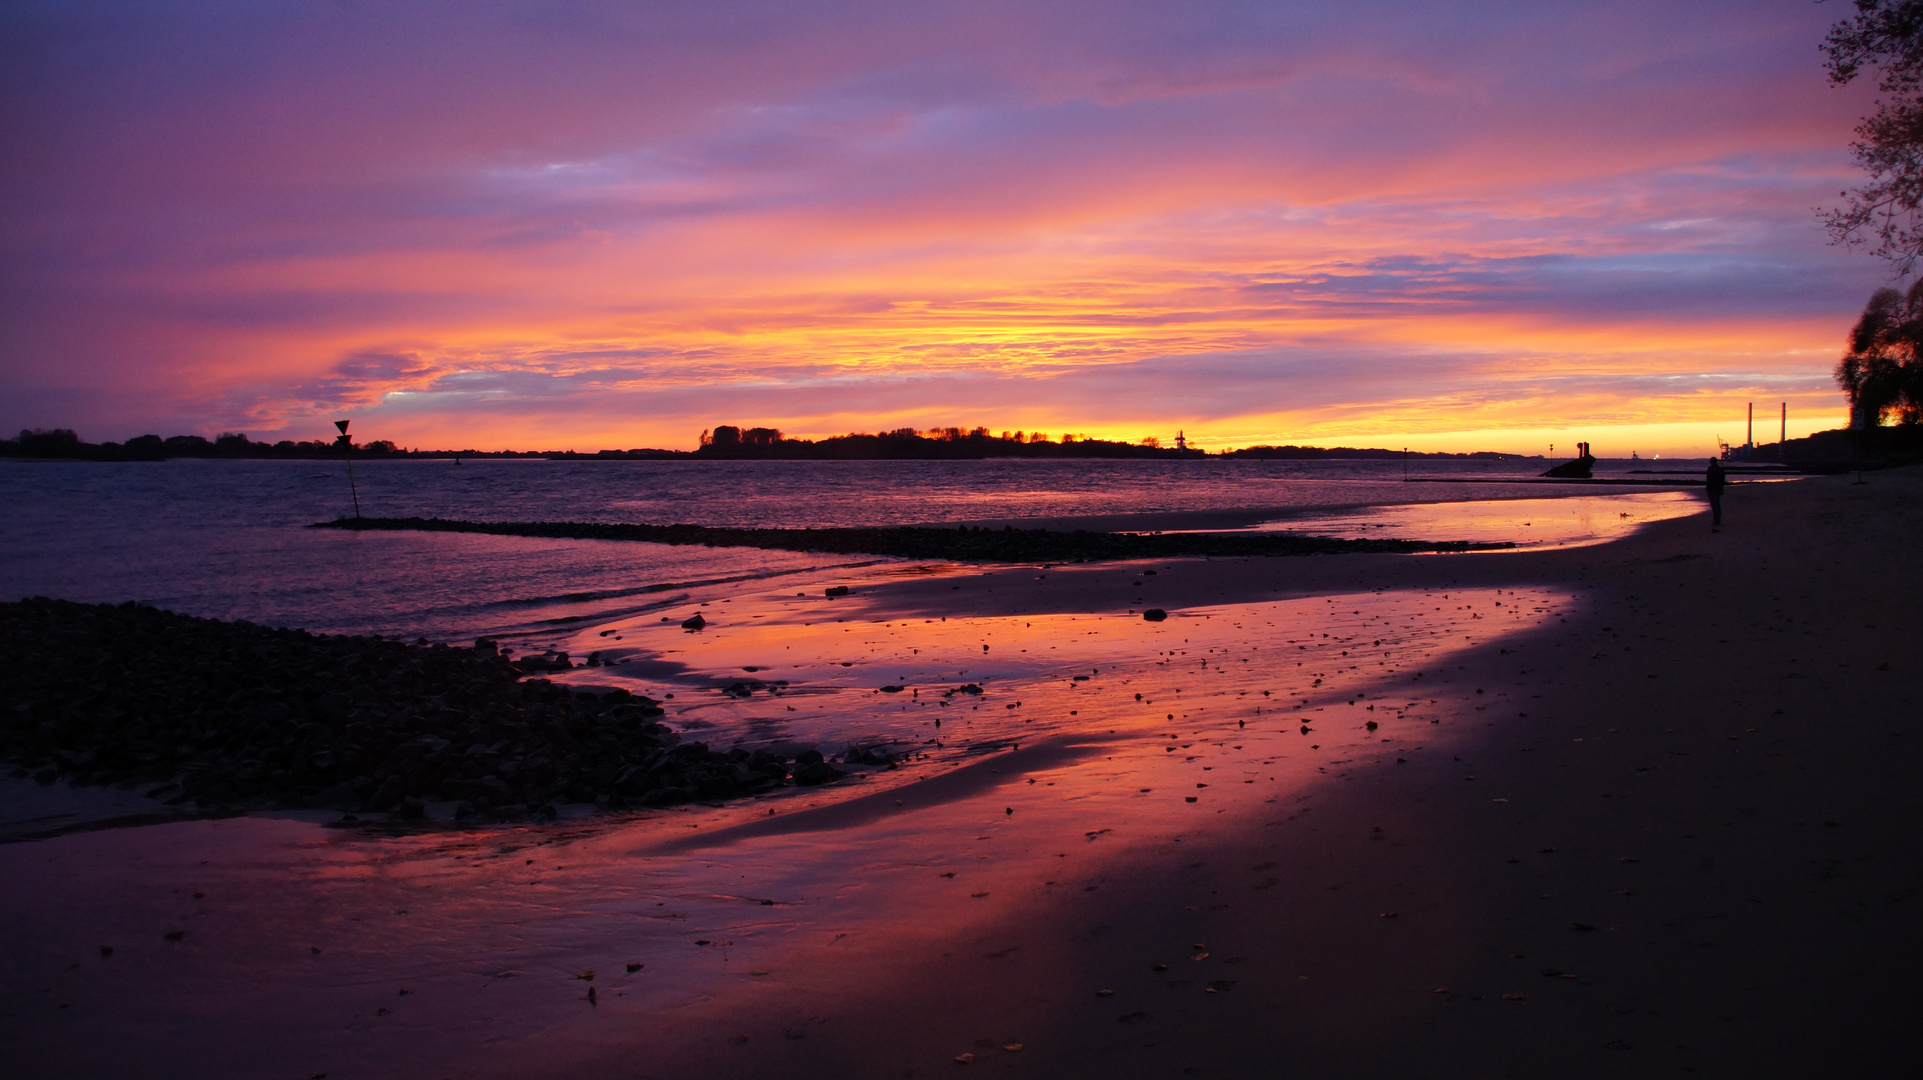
(633, 222)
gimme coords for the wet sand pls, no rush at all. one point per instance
(1653, 815)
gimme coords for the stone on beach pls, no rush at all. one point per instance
(241, 715)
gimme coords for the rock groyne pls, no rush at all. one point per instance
(237, 715)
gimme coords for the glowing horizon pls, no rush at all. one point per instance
(1467, 225)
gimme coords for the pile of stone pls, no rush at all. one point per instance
(231, 714)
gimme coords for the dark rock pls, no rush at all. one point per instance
(341, 796)
(1154, 614)
(695, 623)
(259, 716)
(812, 770)
(866, 755)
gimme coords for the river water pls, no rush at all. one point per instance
(229, 539)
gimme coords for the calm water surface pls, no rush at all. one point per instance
(229, 539)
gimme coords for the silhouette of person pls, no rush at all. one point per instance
(1713, 484)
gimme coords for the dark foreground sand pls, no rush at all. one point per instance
(1698, 853)
(1670, 828)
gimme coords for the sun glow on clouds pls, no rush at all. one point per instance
(590, 229)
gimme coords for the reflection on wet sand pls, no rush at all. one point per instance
(1567, 521)
(1093, 736)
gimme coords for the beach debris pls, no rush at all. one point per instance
(584, 976)
(1105, 993)
(964, 1059)
(634, 966)
(1155, 614)
(1013, 1048)
(695, 622)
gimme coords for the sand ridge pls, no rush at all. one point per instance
(1694, 855)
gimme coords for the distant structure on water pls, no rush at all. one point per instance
(1579, 469)
(1749, 451)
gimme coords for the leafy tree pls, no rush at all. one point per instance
(1883, 370)
(1888, 210)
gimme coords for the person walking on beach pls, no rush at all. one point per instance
(1713, 484)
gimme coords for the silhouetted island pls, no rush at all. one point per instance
(760, 443)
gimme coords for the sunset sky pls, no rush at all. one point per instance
(1446, 225)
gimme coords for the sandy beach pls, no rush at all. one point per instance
(1642, 808)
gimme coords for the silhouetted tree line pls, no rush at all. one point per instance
(62, 443)
(1883, 370)
(951, 443)
(1317, 452)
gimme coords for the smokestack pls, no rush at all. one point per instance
(1784, 437)
(1749, 439)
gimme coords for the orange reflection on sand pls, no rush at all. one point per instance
(796, 671)
(496, 935)
(1045, 786)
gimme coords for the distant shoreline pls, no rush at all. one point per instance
(195, 448)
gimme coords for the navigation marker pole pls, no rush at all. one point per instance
(348, 447)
